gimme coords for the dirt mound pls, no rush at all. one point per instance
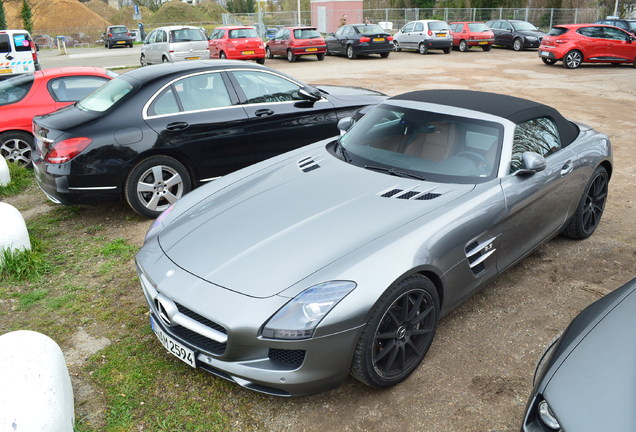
(54, 14)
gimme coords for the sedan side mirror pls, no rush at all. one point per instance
(310, 94)
(344, 124)
(532, 163)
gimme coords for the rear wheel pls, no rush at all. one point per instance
(222, 55)
(486, 47)
(156, 183)
(268, 53)
(320, 56)
(260, 60)
(16, 147)
(517, 44)
(291, 57)
(463, 46)
(447, 50)
(398, 334)
(548, 61)
(422, 49)
(590, 209)
(573, 59)
(350, 54)
(385, 55)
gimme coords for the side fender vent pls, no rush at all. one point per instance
(478, 253)
(308, 164)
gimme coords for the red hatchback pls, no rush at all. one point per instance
(26, 95)
(470, 33)
(240, 43)
(574, 44)
(293, 42)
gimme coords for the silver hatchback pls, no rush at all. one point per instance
(424, 35)
(174, 43)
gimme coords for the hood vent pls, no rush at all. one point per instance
(410, 194)
(308, 164)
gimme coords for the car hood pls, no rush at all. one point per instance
(593, 388)
(269, 230)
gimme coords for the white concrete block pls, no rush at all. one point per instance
(5, 176)
(13, 231)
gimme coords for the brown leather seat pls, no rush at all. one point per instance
(434, 146)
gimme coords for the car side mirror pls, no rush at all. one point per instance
(344, 124)
(531, 163)
(310, 94)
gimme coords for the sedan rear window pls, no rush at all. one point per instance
(106, 96)
(15, 89)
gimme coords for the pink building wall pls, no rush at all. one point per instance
(326, 15)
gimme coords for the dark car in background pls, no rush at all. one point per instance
(354, 40)
(117, 35)
(154, 133)
(574, 44)
(625, 24)
(584, 381)
(516, 34)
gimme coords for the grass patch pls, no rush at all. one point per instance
(22, 265)
(21, 179)
(118, 248)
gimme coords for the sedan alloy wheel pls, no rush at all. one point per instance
(517, 44)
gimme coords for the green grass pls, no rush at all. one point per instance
(22, 265)
(21, 179)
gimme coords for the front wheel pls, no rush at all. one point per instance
(156, 183)
(350, 54)
(422, 48)
(590, 208)
(548, 61)
(16, 147)
(143, 61)
(517, 44)
(573, 59)
(463, 46)
(222, 56)
(164, 59)
(396, 46)
(398, 334)
(291, 57)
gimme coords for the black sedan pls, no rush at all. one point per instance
(516, 34)
(585, 380)
(354, 40)
(155, 133)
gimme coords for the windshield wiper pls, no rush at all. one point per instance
(343, 152)
(395, 172)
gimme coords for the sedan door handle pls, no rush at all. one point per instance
(566, 168)
(177, 126)
(263, 112)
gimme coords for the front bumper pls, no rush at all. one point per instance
(531, 43)
(270, 366)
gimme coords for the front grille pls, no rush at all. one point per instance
(201, 342)
(293, 358)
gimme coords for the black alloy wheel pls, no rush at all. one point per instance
(399, 333)
(590, 208)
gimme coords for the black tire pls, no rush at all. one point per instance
(517, 44)
(156, 183)
(260, 61)
(143, 61)
(350, 53)
(448, 50)
(268, 53)
(486, 47)
(385, 55)
(222, 56)
(463, 46)
(320, 56)
(108, 45)
(130, 46)
(396, 46)
(398, 334)
(291, 57)
(572, 59)
(422, 48)
(590, 208)
(548, 61)
(164, 59)
(17, 147)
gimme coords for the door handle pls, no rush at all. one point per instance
(263, 112)
(566, 168)
(177, 126)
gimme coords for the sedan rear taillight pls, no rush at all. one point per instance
(66, 150)
(389, 38)
(364, 39)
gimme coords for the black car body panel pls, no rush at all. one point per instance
(208, 142)
(588, 377)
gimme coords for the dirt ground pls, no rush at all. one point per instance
(478, 373)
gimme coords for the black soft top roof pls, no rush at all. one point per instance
(512, 108)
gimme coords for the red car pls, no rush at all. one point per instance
(240, 43)
(293, 42)
(470, 33)
(574, 44)
(26, 95)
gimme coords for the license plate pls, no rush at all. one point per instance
(6, 70)
(378, 39)
(545, 53)
(121, 42)
(441, 34)
(175, 348)
(311, 49)
(192, 58)
(247, 52)
(483, 43)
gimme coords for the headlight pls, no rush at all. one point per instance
(299, 318)
(157, 224)
(547, 416)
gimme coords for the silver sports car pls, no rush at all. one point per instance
(342, 256)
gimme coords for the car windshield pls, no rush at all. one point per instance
(306, 34)
(478, 27)
(369, 29)
(106, 96)
(243, 33)
(14, 89)
(423, 144)
(186, 35)
(523, 26)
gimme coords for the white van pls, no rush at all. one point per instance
(18, 53)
